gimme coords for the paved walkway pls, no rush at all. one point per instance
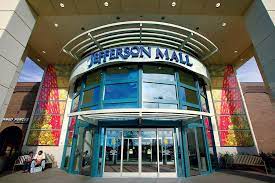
(59, 176)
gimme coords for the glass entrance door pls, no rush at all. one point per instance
(130, 151)
(166, 151)
(149, 151)
(137, 152)
(84, 147)
(196, 151)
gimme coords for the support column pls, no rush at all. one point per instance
(16, 24)
(260, 19)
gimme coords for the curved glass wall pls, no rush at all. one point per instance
(140, 86)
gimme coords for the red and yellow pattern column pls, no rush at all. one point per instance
(232, 121)
(47, 120)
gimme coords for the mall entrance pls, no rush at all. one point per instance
(119, 151)
(148, 152)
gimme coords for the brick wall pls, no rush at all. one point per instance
(262, 115)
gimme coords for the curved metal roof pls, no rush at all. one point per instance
(140, 33)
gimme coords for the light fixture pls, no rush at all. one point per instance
(173, 4)
(62, 5)
(106, 3)
(218, 5)
(56, 25)
(236, 51)
(38, 60)
(241, 59)
(224, 24)
(44, 51)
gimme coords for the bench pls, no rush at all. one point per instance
(21, 159)
(246, 160)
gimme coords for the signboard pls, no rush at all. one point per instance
(138, 54)
(16, 120)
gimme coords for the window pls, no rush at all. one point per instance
(159, 105)
(75, 104)
(187, 79)
(203, 97)
(188, 95)
(129, 72)
(120, 91)
(93, 78)
(120, 105)
(191, 96)
(158, 73)
(161, 87)
(91, 96)
(159, 92)
(77, 87)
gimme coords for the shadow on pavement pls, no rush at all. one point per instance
(252, 175)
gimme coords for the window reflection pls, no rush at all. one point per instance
(158, 73)
(120, 105)
(91, 96)
(93, 78)
(75, 104)
(121, 91)
(191, 96)
(128, 72)
(154, 91)
(158, 85)
(77, 86)
(187, 79)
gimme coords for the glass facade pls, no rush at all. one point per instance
(149, 148)
(140, 86)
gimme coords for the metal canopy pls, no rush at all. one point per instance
(131, 114)
(140, 33)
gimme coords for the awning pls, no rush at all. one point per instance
(93, 116)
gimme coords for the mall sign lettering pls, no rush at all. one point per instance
(138, 52)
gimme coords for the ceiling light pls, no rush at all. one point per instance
(224, 24)
(106, 3)
(236, 51)
(43, 51)
(173, 4)
(56, 25)
(38, 60)
(62, 5)
(218, 5)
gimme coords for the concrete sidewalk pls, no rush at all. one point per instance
(59, 176)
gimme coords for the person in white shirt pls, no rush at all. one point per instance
(39, 157)
(39, 160)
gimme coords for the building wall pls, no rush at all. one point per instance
(20, 107)
(260, 20)
(261, 114)
(17, 21)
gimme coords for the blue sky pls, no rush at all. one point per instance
(248, 72)
(30, 72)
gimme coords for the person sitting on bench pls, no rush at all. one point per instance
(27, 162)
(39, 160)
